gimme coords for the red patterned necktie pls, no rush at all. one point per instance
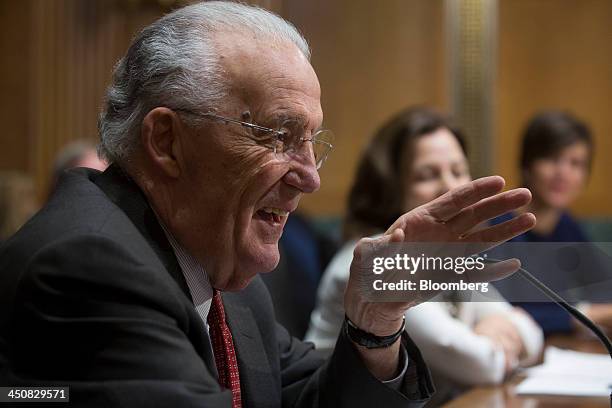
(223, 348)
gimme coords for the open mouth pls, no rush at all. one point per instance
(272, 215)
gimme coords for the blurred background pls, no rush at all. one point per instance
(491, 64)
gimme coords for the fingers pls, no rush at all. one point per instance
(367, 246)
(504, 336)
(509, 331)
(489, 208)
(397, 235)
(493, 236)
(511, 353)
(451, 203)
(512, 339)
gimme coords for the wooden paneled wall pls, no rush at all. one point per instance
(72, 48)
(60, 57)
(556, 54)
(14, 101)
(372, 59)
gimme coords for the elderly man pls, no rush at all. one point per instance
(138, 287)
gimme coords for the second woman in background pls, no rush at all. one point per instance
(414, 158)
(555, 162)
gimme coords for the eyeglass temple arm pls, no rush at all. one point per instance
(313, 140)
(241, 123)
(256, 127)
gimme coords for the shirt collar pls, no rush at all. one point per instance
(195, 275)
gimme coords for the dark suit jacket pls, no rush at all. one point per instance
(93, 297)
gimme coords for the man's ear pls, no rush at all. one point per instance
(159, 136)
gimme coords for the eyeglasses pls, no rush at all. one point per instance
(286, 141)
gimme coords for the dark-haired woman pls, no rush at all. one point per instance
(556, 156)
(414, 158)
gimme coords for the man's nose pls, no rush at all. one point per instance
(303, 174)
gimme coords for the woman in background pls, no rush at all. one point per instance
(416, 157)
(556, 158)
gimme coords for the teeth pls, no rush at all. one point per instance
(276, 211)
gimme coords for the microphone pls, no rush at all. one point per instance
(556, 298)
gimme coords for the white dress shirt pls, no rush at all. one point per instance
(195, 275)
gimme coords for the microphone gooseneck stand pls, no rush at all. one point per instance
(556, 298)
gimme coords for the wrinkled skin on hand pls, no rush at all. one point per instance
(453, 220)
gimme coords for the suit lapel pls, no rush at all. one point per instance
(122, 190)
(256, 380)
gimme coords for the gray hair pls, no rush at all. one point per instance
(174, 63)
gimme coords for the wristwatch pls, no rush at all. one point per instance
(369, 340)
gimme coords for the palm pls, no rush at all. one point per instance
(450, 219)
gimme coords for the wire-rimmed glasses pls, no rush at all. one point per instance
(284, 141)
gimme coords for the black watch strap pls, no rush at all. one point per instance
(369, 340)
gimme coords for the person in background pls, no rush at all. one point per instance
(556, 160)
(79, 153)
(414, 158)
(304, 254)
(17, 202)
